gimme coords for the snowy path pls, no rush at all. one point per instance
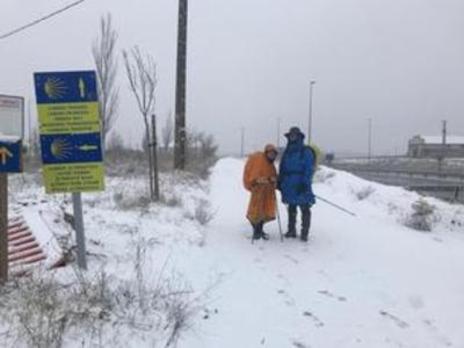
(360, 282)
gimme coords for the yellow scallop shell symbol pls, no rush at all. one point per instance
(55, 88)
(61, 149)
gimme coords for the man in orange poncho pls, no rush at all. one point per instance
(260, 178)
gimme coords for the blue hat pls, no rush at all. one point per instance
(296, 131)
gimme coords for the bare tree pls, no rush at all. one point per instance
(141, 72)
(106, 62)
(115, 142)
(167, 133)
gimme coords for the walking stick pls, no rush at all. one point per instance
(279, 222)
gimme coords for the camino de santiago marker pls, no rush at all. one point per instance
(70, 131)
(11, 135)
(70, 138)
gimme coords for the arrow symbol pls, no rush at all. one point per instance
(4, 155)
(88, 147)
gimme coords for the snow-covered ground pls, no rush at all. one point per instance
(365, 281)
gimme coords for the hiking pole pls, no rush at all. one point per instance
(279, 222)
(336, 206)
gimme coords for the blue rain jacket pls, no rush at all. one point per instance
(296, 173)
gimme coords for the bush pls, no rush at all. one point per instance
(422, 217)
(364, 193)
(203, 212)
(124, 202)
(43, 312)
(172, 201)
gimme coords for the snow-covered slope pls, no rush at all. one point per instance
(364, 281)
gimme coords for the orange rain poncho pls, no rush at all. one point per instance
(260, 177)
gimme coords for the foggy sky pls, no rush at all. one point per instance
(399, 62)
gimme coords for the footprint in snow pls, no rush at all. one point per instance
(445, 341)
(291, 258)
(298, 344)
(317, 322)
(288, 300)
(331, 295)
(397, 321)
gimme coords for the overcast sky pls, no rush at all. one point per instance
(399, 62)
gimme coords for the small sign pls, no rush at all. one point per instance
(70, 131)
(11, 157)
(11, 116)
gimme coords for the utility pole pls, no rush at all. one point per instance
(310, 121)
(180, 127)
(442, 153)
(444, 132)
(369, 139)
(242, 142)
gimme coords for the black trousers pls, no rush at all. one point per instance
(258, 228)
(305, 218)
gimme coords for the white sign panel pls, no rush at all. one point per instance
(11, 117)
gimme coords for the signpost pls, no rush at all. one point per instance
(11, 134)
(70, 139)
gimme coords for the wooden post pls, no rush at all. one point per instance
(3, 228)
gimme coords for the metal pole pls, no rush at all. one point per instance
(3, 228)
(242, 142)
(155, 157)
(442, 153)
(310, 123)
(369, 139)
(79, 228)
(444, 132)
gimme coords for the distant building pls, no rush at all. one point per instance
(433, 147)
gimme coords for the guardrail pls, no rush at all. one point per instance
(448, 186)
(425, 174)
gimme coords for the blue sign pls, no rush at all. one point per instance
(11, 157)
(71, 148)
(66, 87)
(70, 131)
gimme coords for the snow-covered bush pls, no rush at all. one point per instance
(171, 200)
(40, 314)
(46, 312)
(131, 201)
(364, 193)
(322, 175)
(203, 212)
(422, 216)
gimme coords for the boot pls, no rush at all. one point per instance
(290, 234)
(291, 222)
(306, 222)
(263, 234)
(258, 232)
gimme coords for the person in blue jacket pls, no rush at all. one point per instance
(295, 182)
